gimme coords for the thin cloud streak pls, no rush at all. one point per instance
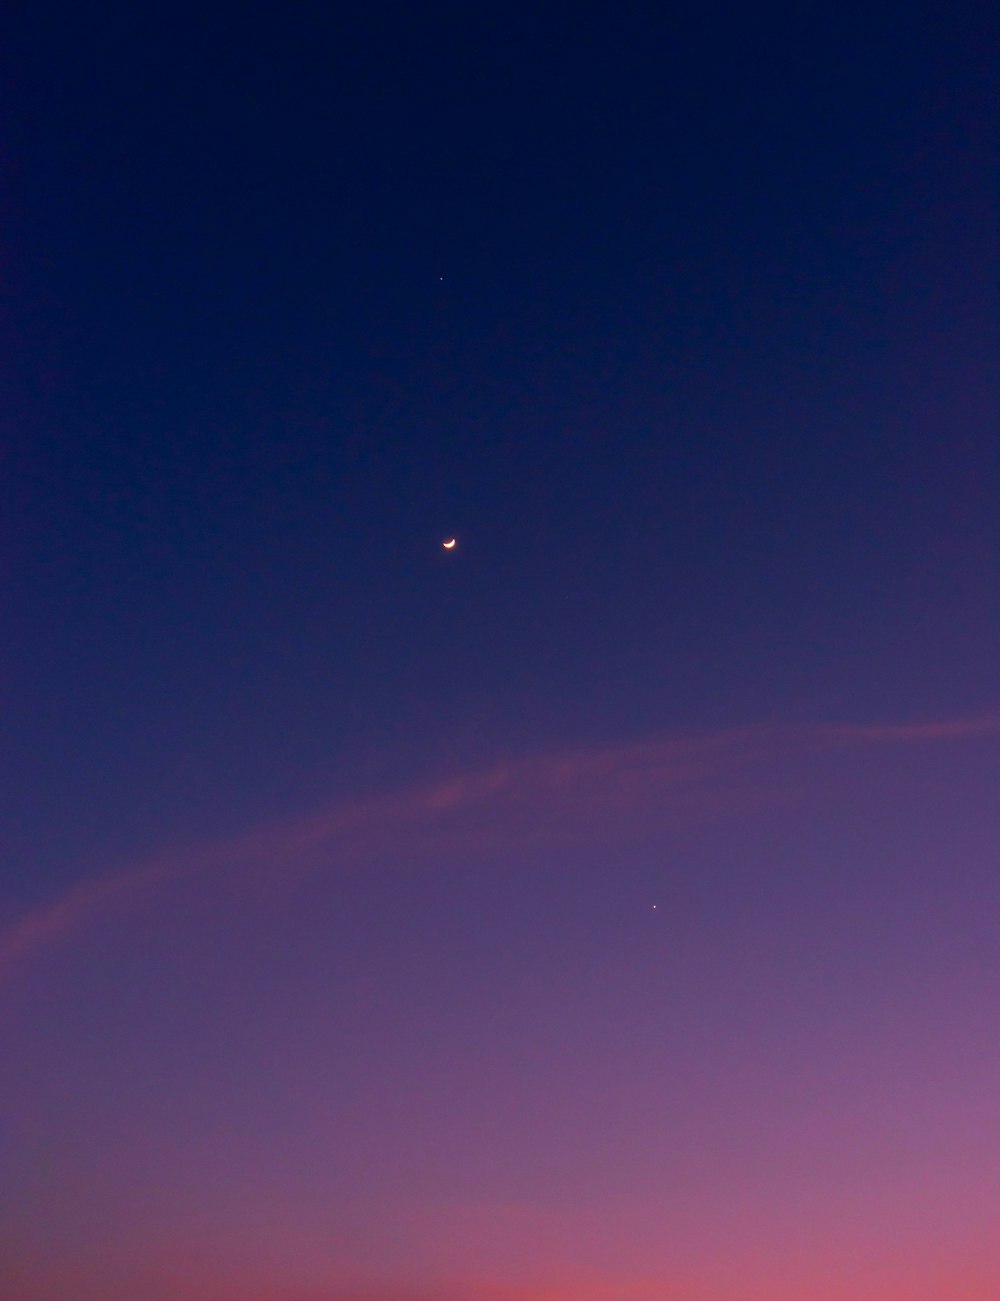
(957, 729)
(557, 797)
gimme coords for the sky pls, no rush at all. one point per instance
(605, 909)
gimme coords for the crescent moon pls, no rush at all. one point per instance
(449, 544)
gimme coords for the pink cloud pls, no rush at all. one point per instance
(954, 729)
(563, 797)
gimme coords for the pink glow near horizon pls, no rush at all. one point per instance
(753, 1094)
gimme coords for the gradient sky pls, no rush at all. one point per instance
(607, 910)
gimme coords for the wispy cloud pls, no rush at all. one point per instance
(952, 729)
(564, 796)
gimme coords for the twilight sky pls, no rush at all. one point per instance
(607, 910)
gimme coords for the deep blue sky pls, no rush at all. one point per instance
(681, 317)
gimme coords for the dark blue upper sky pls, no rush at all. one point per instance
(682, 318)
